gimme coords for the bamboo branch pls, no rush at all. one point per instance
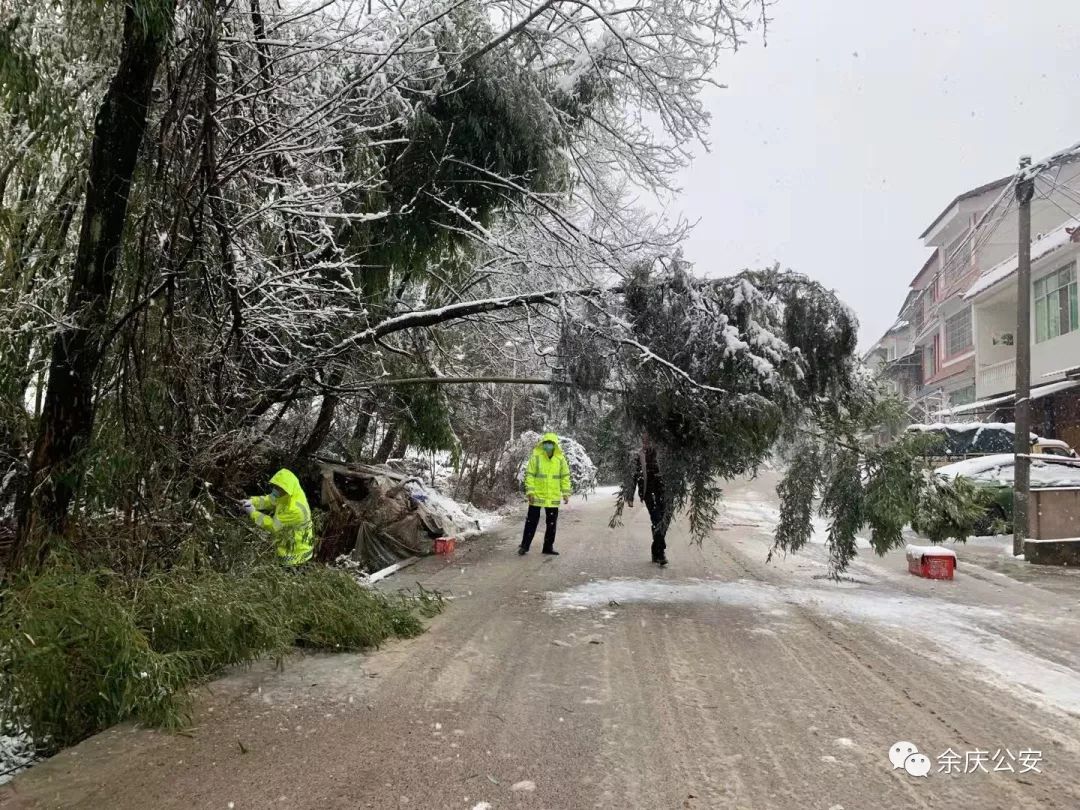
(499, 40)
(470, 381)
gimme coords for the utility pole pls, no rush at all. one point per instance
(1025, 188)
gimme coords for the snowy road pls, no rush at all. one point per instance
(598, 681)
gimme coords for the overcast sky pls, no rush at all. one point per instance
(834, 147)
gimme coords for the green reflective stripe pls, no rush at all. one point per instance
(298, 556)
(539, 475)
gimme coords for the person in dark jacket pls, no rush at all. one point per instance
(649, 484)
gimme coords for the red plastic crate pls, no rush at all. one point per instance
(445, 545)
(931, 563)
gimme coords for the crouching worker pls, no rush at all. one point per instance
(547, 480)
(286, 515)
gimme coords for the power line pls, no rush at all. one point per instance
(1071, 215)
(981, 235)
(949, 264)
(1063, 190)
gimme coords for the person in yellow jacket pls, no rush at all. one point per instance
(547, 480)
(286, 515)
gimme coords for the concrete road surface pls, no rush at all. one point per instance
(596, 680)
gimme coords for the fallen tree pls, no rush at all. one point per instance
(378, 516)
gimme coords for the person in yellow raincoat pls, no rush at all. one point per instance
(547, 480)
(286, 515)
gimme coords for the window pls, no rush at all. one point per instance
(930, 359)
(958, 333)
(1055, 304)
(965, 396)
(1056, 451)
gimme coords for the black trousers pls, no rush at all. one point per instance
(657, 506)
(532, 520)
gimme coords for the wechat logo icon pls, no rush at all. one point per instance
(906, 755)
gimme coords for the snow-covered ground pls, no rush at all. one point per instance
(937, 627)
(605, 493)
(1000, 621)
(756, 668)
(16, 753)
(1003, 621)
(761, 514)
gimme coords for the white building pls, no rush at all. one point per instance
(943, 318)
(1055, 331)
(956, 330)
(894, 358)
(1055, 320)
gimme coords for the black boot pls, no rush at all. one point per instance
(522, 551)
(550, 552)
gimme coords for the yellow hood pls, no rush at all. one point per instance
(548, 437)
(290, 483)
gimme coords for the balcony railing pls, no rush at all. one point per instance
(997, 378)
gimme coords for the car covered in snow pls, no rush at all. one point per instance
(962, 440)
(995, 473)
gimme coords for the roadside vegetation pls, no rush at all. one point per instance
(86, 646)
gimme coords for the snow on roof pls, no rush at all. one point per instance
(965, 426)
(896, 327)
(1066, 370)
(1053, 388)
(1043, 246)
(1007, 399)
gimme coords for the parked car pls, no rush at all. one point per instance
(962, 440)
(995, 473)
(1053, 447)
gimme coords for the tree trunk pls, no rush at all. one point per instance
(473, 475)
(387, 445)
(214, 195)
(400, 448)
(67, 420)
(363, 422)
(325, 421)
